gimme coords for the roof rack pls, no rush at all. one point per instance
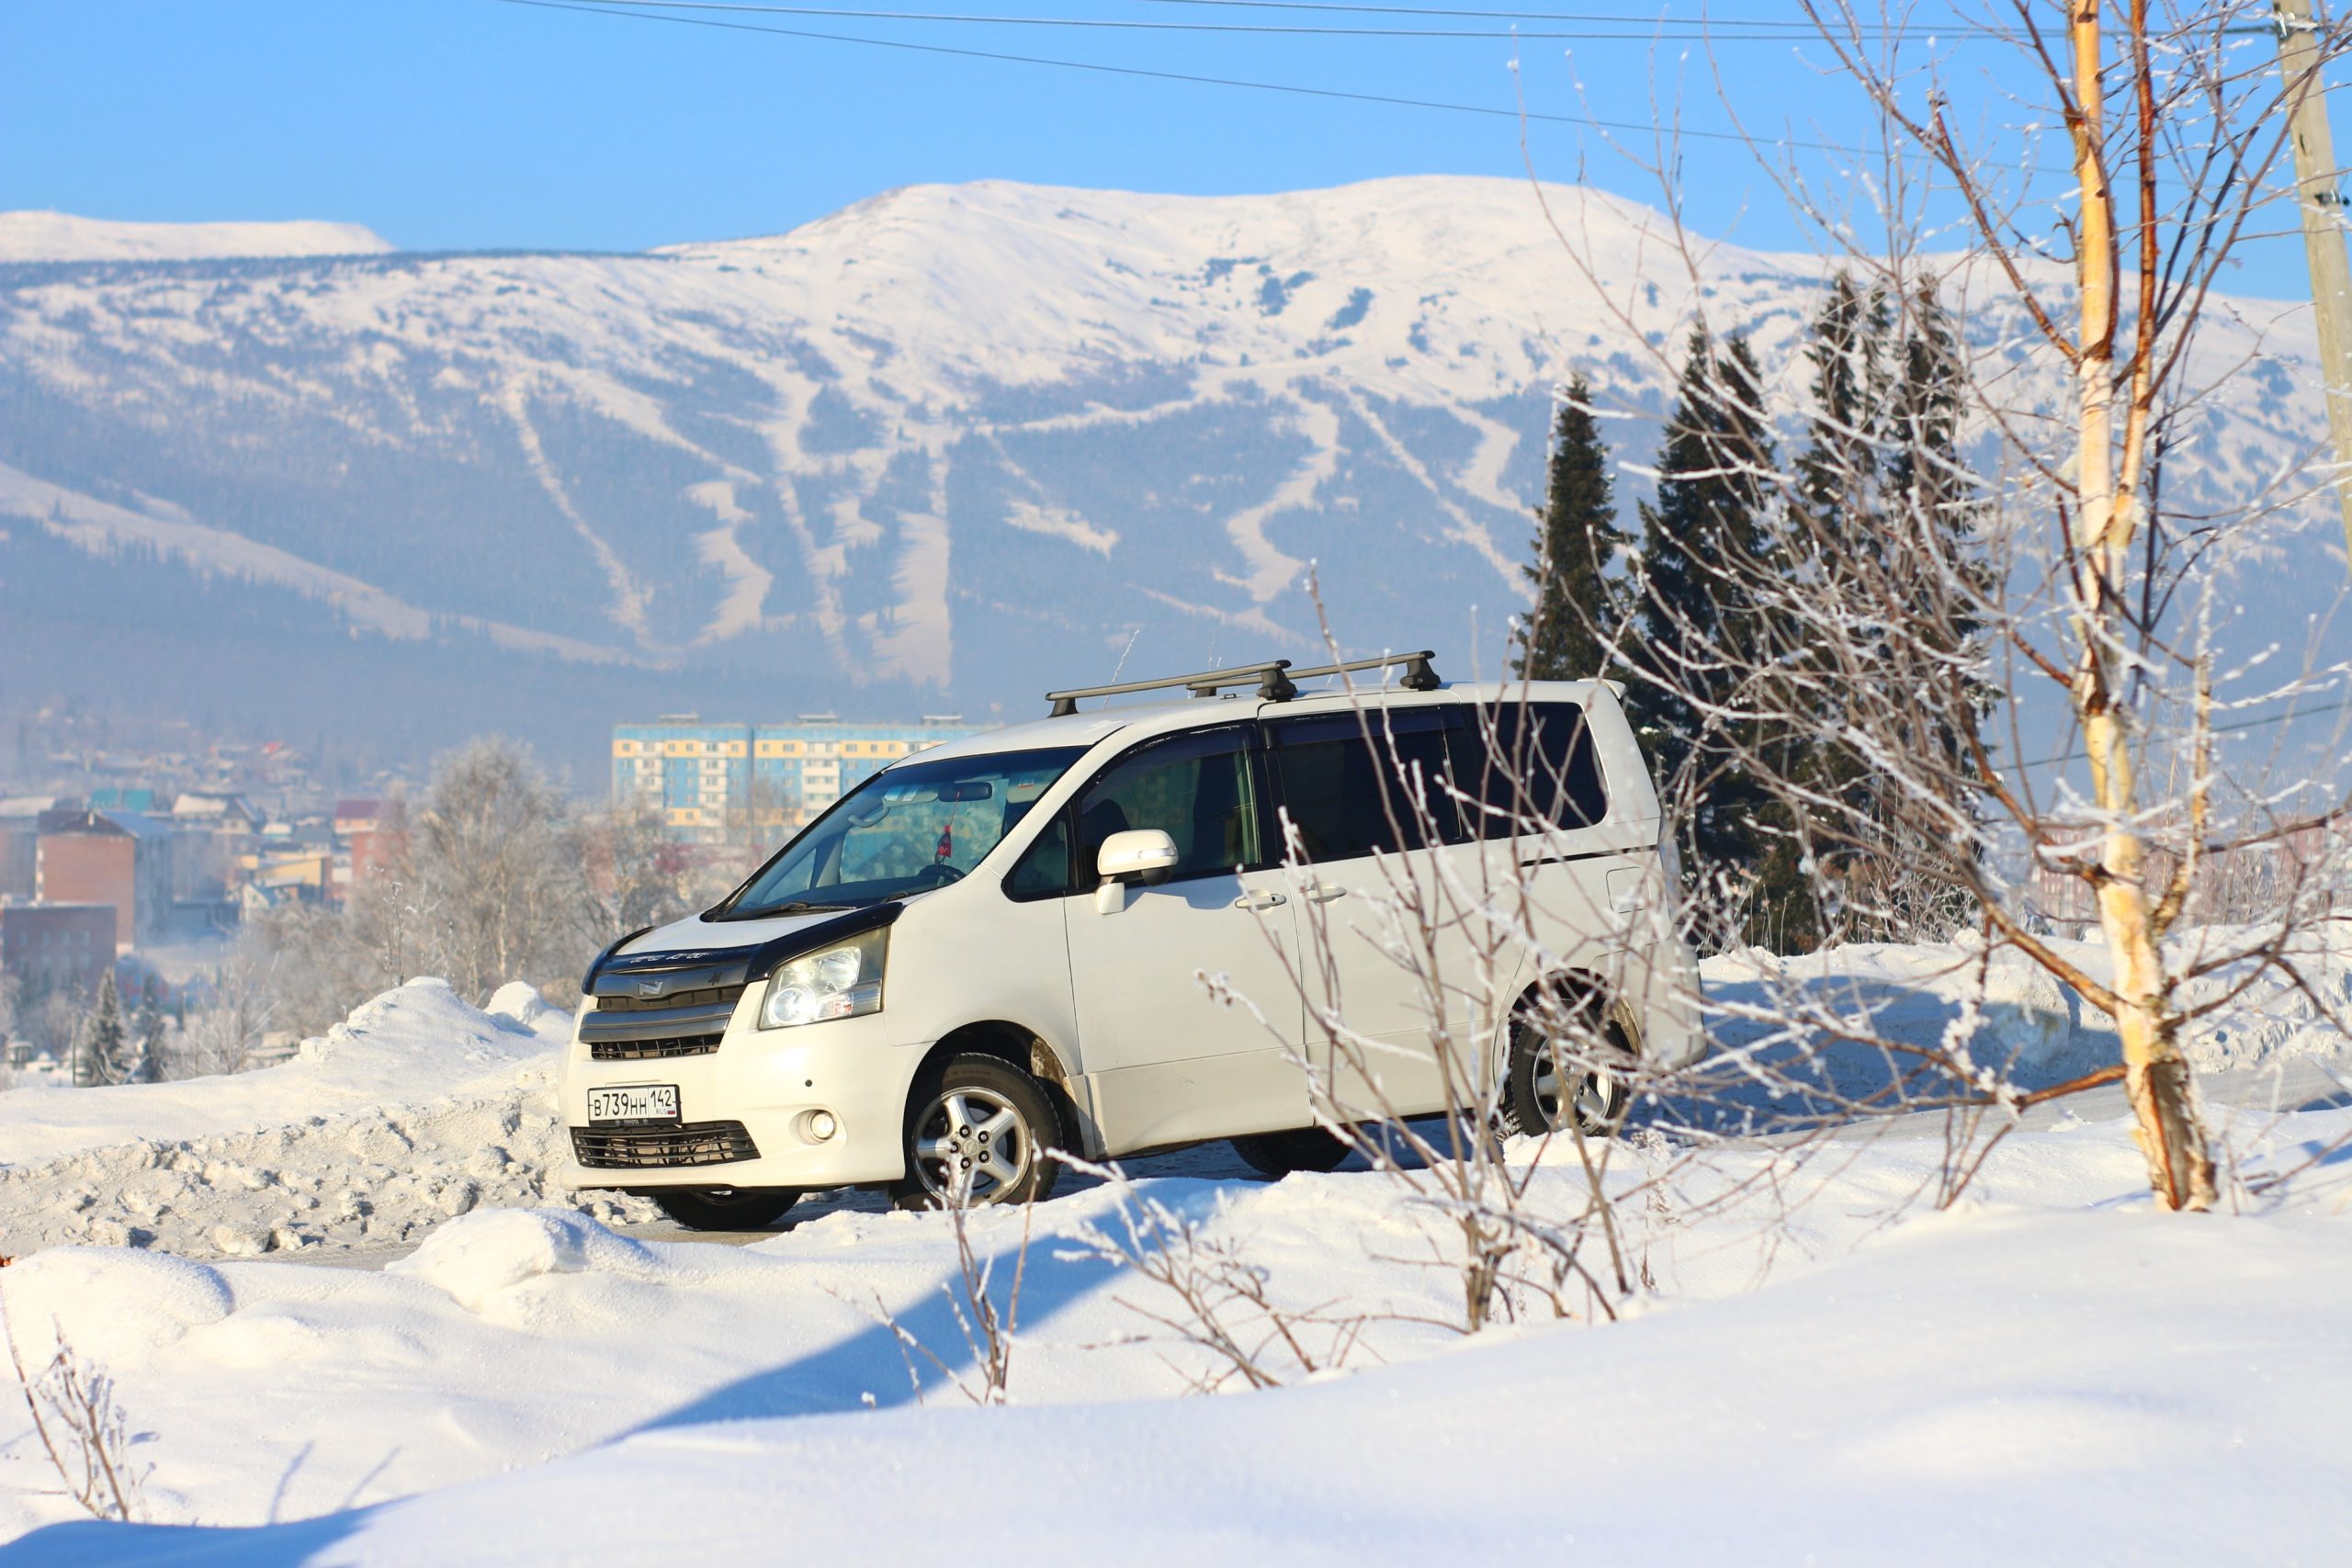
(1419, 676)
(1272, 685)
(1275, 680)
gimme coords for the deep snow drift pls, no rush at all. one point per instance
(1819, 1362)
(416, 1108)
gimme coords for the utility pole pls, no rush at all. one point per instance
(2322, 206)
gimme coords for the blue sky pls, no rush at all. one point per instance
(469, 124)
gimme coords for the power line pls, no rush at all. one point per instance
(597, 9)
(1666, 32)
(2237, 727)
(1958, 27)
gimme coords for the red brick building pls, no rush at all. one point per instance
(96, 857)
(370, 837)
(47, 948)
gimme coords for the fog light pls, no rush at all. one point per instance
(821, 1125)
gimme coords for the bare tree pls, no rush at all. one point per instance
(80, 1426)
(232, 1015)
(2085, 302)
(492, 876)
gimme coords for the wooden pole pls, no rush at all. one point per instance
(2322, 206)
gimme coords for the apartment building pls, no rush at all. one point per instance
(713, 780)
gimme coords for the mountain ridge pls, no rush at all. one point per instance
(949, 445)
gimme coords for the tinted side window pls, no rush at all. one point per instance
(1346, 795)
(1529, 759)
(1194, 787)
(1043, 870)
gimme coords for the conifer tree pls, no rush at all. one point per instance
(1889, 512)
(1838, 470)
(106, 1045)
(1933, 505)
(1840, 476)
(77, 1052)
(1578, 538)
(1703, 642)
(148, 1032)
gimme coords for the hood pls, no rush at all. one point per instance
(693, 954)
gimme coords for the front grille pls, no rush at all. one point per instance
(643, 1147)
(651, 1050)
(709, 996)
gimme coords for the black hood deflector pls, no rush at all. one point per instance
(694, 969)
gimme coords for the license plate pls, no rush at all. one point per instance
(650, 1103)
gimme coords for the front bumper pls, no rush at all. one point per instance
(759, 1091)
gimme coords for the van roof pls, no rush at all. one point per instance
(1095, 726)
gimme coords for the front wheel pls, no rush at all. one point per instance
(1588, 1074)
(977, 1132)
(725, 1208)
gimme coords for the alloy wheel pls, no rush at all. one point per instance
(972, 1145)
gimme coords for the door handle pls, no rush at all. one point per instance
(1322, 895)
(1258, 900)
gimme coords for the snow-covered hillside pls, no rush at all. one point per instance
(34, 236)
(947, 448)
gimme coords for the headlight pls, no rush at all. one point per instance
(833, 982)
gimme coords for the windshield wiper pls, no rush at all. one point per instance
(800, 906)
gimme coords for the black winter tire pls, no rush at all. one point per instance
(1276, 1154)
(982, 1121)
(725, 1208)
(1532, 1095)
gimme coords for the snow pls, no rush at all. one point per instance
(38, 236)
(1824, 1364)
(416, 1109)
(102, 528)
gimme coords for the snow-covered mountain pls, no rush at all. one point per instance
(942, 449)
(62, 236)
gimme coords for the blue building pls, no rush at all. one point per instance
(717, 782)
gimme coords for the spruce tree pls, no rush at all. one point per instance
(105, 1044)
(1890, 513)
(149, 1031)
(77, 1049)
(1577, 539)
(1840, 478)
(1837, 472)
(1704, 641)
(1934, 505)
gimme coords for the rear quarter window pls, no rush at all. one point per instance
(1517, 761)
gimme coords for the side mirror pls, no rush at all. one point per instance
(1139, 855)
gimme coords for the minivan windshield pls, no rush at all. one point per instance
(906, 830)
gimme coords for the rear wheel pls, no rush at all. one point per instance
(1277, 1155)
(978, 1130)
(725, 1208)
(1586, 1070)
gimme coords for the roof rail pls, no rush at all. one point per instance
(1419, 676)
(1275, 680)
(1272, 685)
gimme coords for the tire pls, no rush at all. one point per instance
(1276, 1154)
(970, 1110)
(1600, 1092)
(725, 1208)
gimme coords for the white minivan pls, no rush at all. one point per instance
(1126, 928)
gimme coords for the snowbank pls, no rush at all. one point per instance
(417, 1108)
(1819, 1362)
(2028, 1026)
(2049, 1374)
